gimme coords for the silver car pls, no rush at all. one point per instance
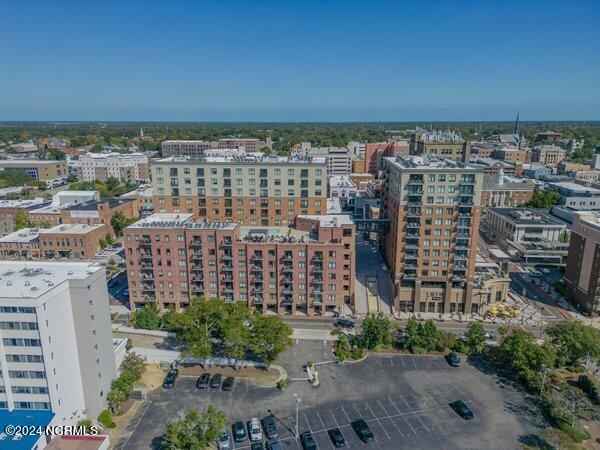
(223, 441)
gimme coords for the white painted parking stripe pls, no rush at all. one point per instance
(347, 417)
(376, 418)
(319, 416)
(388, 414)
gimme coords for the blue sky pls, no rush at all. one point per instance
(299, 61)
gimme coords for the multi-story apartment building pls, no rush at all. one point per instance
(250, 145)
(307, 270)
(56, 346)
(577, 195)
(266, 191)
(376, 150)
(442, 144)
(22, 244)
(39, 170)
(547, 155)
(433, 206)
(582, 271)
(126, 167)
(194, 149)
(101, 211)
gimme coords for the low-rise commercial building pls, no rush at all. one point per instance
(56, 350)
(22, 245)
(101, 211)
(38, 170)
(547, 155)
(305, 270)
(342, 187)
(126, 167)
(249, 144)
(576, 195)
(194, 149)
(497, 191)
(10, 208)
(74, 242)
(582, 271)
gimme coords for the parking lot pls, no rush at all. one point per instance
(404, 399)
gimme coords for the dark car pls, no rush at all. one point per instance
(239, 431)
(270, 428)
(169, 381)
(215, 381)
(202, 382)
(344, 323)
(453, 359)
(273, 445)
(363, 431)
(257, 446)
(308, 441)
(462, 409)
(336, 436)
(228, 384)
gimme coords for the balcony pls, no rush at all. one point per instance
(414, 225)
(287, 270)
(461, 247)
(227, 269)
(197, 268)
(146, 242)
(412, 236)
(257, 256)
(317, 269)
(257, 301)
(148, 288)
(196, 256)
(227, 258)
(146, 256)
(317, 258)
(410, 267)
(226, 243)
(257, 269)
(287, 300)
(227, 279)
(288, 291)
(195, 243)
(415, 182)
(198, 289)
(408, 246)
(227, 290)
(318, 281)
(147, 267)
(288, 279)
(410, 256)
(148, 277)
(287, 258)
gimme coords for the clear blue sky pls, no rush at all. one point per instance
(299, 61)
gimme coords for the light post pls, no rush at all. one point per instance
(298, 400)
(544, 370)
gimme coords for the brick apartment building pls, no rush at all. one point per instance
(441, 144)
(582, 271)
(194, 149)
(265, 191)
(305, 270)
(101, 211)
(376, 150)
(434, 209)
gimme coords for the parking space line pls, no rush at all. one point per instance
(378, 421)
(404, 400)
(307, 423)
(388, 414)
(397, 409)
(422, 423)
(347, 417)
(413, 360)
(322, 423)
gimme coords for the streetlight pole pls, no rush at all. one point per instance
(298, 400)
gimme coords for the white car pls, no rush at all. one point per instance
(254, 430)
(223, 441)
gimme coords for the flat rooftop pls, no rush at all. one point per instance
(92, 205)
(32, 279)
(428, 162)
(162, 220)
(28, 162)
(23, 236)
(242, 159)
(527, 216)
(341, 181)
(274, 234)
(575, 187)
(35, 202)
(490, 181)
(71, 228)
(330, 220)
(88, 442)
(23, 417)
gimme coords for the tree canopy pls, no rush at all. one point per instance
(194, 431)
(119, 222)
(543, 198)
(575, 341)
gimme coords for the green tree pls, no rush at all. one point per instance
(429, 336)
(106, 419)
(20, 221)
(269, 337)
(146, 318)
(377, 331)
(523, 356)
(575, 341)
(411, 334)
(544, 199)
(133, 364)
(563, 237)
(194, 431)
(114, 399)
(119, 222)
(475, 337)
(57, 155)
(446, 340)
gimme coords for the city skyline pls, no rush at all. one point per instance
(286, 63)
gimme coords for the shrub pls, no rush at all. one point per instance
(564, 420)
(282, 384)
(105, 418)
(357, 353)
(340, 354)
(310, 363)
(577, 369)
(419, 351)
(588, 386)
(461, 346)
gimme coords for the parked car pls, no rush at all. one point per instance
(254, 429)
(344, 323)
(462, 409)
(536, 273)
(273, 445)
(215, 381)
(336, 436)
(169, 381)
(223, 441)
(453, 359)
(270, 428)
(257, 446)
(202, 382)
(239, 431)
(228, 384)
(308, 441)
(545, 271)
(363, 431)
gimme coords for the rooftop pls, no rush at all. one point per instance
(490, 181)
(36, 202)
(329, 220)
(492, 161)
(87, 442)
(25, 235)
(341, 181)
(32, 279)
(527, 216)
(92, 205)
(71, 228)
(28, 162)
(334, 205)
(428, 162)
(22, 417)
(162, 220)
(274, 234)
(575, 187)
(247, 158)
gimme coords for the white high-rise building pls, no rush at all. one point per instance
(129, 167)
(56, 346)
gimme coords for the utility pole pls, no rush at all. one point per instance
(298, 400)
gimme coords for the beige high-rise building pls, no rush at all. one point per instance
(265, 191)
(434, 208)
(36, 169)
(442, 144)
